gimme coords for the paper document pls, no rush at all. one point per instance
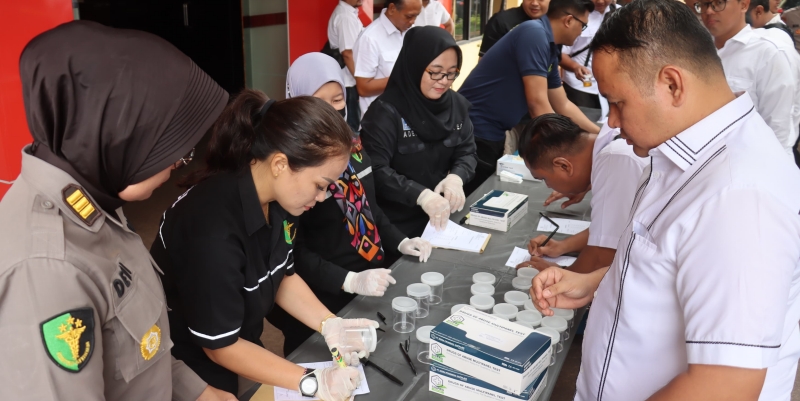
(565, 226)
(283, 394)
(456, 237)
(519, 255)
(505, 201)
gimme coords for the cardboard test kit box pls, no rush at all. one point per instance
(498, 210)
(514, 165)
(499, 352)
(454, 384)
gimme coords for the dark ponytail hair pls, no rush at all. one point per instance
(306, 129)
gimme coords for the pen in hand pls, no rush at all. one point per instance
(552, 233)
(405, 356)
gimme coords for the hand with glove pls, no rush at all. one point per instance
(415, 247)
(437, 208)
(372, 282)
(453, 189)
(346, 336)
(336, 384)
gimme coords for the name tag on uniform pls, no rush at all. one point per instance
(364, 173)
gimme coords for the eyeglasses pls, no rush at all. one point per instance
(583, 24)
(437, 76)
(716, 6)
(184, 161)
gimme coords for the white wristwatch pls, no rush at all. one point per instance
(308, 383)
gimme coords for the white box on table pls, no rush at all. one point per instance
(501, 353)
(514, 165)
(498, 210)
(454, 384)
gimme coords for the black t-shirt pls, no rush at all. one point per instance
(222, 267)
(501, 24)
(404, 165)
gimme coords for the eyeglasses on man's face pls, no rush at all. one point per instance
(716, 6)
(437, 76)
(583, 24)
(184, 160)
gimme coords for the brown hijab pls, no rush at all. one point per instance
(113, 107)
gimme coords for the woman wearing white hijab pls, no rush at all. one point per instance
(348, 228)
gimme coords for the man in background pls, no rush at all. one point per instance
(503, 22)
(433, 13)
(343, 30)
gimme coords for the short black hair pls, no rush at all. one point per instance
(649, 34)
(559, 7)
(756, 3)
(398, 4)
(548, 136)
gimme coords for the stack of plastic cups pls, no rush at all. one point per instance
(483, 303)
(521, 284)
(505, 311)
(532, 317)
(482, 289)
(560, 325)
(404, 319)
(436, 282)
(424, 337)
(516, 298)
(527, 272)
(567, 314)
(456, 308)
(422, 294)
(555, 341)
(484, 278)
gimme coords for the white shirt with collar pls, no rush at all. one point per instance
(583, 41)
(615, 176)
(708, 269)
(434, 14)
(755, 63)
(375, 52)
(343, 30)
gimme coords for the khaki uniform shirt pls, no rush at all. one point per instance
(82, 311)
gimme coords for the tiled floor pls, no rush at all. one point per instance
(145, 217)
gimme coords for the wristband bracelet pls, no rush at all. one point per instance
(322, 323)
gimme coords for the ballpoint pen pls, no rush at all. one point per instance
(366, 362)
(405, 355)
(552, 233)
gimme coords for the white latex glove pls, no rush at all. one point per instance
(437, 208)
(336, 384)
(372, 282)
(453, 189)
(415, 247)
(348, 343)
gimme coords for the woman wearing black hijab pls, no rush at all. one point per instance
(111, 112)
(419, 134)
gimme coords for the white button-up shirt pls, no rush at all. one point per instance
(375, 52)
(756, 64)
(708, 269)
(434, 14)
(615, 176)
(583, 41)
(343, 30)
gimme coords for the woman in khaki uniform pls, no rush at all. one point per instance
(82, 312)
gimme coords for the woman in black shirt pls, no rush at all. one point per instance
(226, 245)
(419, 134)
(343, 242)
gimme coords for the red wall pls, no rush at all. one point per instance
(308, 24)
(20, 21)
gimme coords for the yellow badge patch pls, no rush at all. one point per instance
(151, 342)
(80, 204)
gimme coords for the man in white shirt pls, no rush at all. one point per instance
(701, 302)
(343, 30)
(755, 64)
(576, 59)
(377, 48)
(569, 160)
(434, 13)
(759, 16)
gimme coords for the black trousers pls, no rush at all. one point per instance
(353, 108)
(488, 152)
(581, 98)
